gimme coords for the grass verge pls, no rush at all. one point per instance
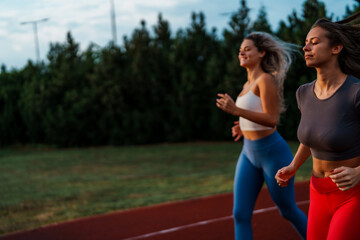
(43, 186)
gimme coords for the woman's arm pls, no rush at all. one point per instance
(302, 154)
(284, 175)
(269, 100)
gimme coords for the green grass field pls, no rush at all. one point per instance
(39, 186)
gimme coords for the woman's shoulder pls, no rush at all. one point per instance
(354, 80)
(264, 83)
(307, 86)
(265, 75)
(305, 89)
(353, 87)
(266, 79)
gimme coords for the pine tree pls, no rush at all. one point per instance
(355, 9)
(261, 24)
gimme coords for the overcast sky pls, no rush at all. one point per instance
(89, 20)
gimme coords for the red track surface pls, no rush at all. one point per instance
(203, 218)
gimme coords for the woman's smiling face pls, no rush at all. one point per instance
(249, 55)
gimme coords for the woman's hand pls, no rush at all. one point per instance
(284, 175)
(345, 177)
(226, 103)
(236, 131)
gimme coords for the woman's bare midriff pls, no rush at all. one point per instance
(322, 168)
(255, 135)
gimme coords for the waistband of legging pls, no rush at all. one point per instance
(326, 185)
(263, 142)
(323, 185)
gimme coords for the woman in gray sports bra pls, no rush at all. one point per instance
(329, 130)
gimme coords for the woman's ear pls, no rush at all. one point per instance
(337, 49)
(262, 53)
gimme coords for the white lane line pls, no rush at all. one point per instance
(178, 228)
(174, 229)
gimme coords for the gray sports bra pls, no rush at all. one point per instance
(331, 127)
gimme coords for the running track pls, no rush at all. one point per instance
(203, 218)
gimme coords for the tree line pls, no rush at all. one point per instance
(156, 87)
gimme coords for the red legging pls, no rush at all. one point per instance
(333, 214)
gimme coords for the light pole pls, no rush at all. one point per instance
(37, 50)
(113, 21)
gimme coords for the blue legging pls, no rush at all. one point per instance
(259, 161)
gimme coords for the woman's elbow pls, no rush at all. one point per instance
(273, 122)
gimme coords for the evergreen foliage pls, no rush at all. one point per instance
(157, 87)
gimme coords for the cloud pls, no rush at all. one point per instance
(3, 26)
(89, 21)
(17, 47)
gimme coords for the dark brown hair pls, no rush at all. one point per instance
(343, 33)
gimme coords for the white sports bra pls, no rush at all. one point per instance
(250, 101)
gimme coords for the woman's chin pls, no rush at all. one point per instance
(243, 64)
(310, 64)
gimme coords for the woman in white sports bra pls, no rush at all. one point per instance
(258, 107)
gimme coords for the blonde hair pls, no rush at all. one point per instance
(277, 59)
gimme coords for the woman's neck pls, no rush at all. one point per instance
(329, 75)
(253, 73)
(329, 78)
